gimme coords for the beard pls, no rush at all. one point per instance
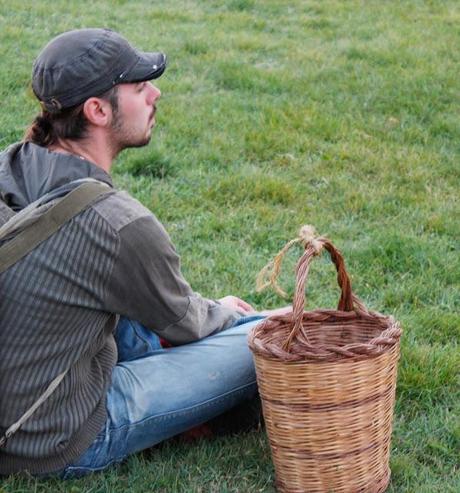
(125, 136)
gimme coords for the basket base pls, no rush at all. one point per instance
(379, 486)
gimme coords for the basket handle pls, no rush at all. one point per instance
(347, 300)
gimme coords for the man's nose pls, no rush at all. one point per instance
(153, 94)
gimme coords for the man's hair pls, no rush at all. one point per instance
(69, 123)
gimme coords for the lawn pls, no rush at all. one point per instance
(340, 114)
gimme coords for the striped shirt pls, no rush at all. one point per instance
(60, 303)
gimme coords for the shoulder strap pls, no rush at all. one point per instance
(15, 426)
(47, 224)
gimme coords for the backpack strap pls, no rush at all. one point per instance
(15, 426)
(50, 221)
(46, 225)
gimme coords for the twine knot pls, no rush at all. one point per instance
(307, 237)
(307, 233)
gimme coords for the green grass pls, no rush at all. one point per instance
(275, 114)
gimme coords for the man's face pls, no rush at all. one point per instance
(134, 119)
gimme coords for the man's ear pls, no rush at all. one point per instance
(98, 111)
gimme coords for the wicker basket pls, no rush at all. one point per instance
(327, 380)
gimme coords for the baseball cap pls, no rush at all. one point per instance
(88, 62)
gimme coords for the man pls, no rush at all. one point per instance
(94, 297)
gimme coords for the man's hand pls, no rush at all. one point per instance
(237, 304)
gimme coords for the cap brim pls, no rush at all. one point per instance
(149, 66)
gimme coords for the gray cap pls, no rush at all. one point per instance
(88, 62)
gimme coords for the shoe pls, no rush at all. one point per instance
(244, 417)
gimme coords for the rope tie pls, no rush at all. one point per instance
(307, 235)
(269, 274)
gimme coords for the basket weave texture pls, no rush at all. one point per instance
(327, 381)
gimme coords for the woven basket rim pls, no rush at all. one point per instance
(390, 333)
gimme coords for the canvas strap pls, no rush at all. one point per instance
(46, 225)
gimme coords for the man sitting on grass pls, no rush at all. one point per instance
(95, 297)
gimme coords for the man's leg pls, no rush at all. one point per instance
(161, 395)
(134, 340)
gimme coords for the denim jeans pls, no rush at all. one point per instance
(157, 393)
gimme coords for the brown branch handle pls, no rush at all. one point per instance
(347, 299)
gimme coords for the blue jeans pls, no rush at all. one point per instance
(157, 393)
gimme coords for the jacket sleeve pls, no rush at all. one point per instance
(146, 284)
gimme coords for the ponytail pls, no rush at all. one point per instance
(41, 132)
